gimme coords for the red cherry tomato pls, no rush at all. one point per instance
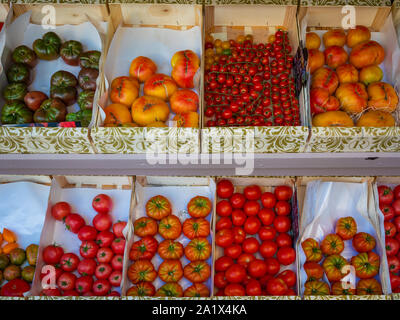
(87, 233)
(388, 211)
(396, 207)
(252, 225)
(74, 222)
(234, 290)
(276, 287)
(396, 192)
(224, 188)
(102, 221)
(118, 229)
(268, 200)
(60, 210)
(220, 281)
(390, 229)
(386, 195)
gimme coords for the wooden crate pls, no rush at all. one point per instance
(227, 22)
(141, 139)
(354, 139)
(55, 139)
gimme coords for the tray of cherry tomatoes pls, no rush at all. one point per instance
(171, 250)
(255, 237)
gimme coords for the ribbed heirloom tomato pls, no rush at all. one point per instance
(312, 250)
(332, 244)
(368, 287)
(170, 289)
(313, 270)
(316, 288)
(158, 207)
(338, 289)
(142, 289)
(197, 290)
(333, 267)
(144, 248)
(141, 270)
(170, 227)
(198, 249)
(145, 226)
(363, 242)
(197, 271)
(366, 264)
(170, 271)
(193, 228)
(346, 228)
(199, 207)
(169, 249)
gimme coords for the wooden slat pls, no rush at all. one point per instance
(380, 18)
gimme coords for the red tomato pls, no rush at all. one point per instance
(66, 281)
(115, 278)
(60, 210)
(250, 245)
(264, 280)
(103, 271)
(286, 255)
(104, 255)
(102, 203)
(224, 188)
(219, 280)
(223, 223)
(282, 224)
(74, 222)
(238, 217)
(87, 233)
(396, 207)
(268, 248)
(87, 267)
(224, 238)
(70, 293)
(284, 240)
(392, 246)
(114, 294)
(396, 192)
(276, 287)
(117, 262)
(237, 200)
(52, 254)
(283, 193)
(266, 216)
(266, 233)
(288, 276)
(238, 235)
(290, 292)
(268, 200)
(235, 273)
(394, 264)
(394, 281)
(282, 208)
(224, 208)
(84, 284)
(245, 258)
(69, 262)
(251, 208)
(257, 268)
(233, 251)
(51, 292)
(273, 266)
(88, 249)
(252, 192)
(105, 239)
(118, 246)
(396, 222)
(252, 225)
(234, 290)
(390, 229)
(386, 195)
(388, 212)
(223, 263)
(118, 229)
(102, 221)
(101, 287)
(253, 288)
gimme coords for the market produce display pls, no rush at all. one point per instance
(346, 80)
(250, 84)
(179, 261)
(17, 266)
(24, 106)
(150, 104)
(326, 268)
(389, 204)
(98, 270)
(253, 232)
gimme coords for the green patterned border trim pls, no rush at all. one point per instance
(143, 140)
(355, 297)
(44, 140)
(354, 139)
(259, 139)
(56, 1)
(337, 3)
(212, 2)
(396, 296)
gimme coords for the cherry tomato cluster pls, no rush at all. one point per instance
(253, 230)
(159, 221)
(101, 251)
(249, 84)
(389, 203)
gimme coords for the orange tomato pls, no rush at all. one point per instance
(158, 207)
(141, 270)
(332, 244)
(170, 227)
(9, 236)
(199, 207)
(169, 249)
(142, 289)
(197, 290)
(170, 271)
(146, 110)
(198, 249)
(197, 271)
(193, 228)
(118, 114)
(187, 120)
(124, 90)
(145, 226)
(10, 247)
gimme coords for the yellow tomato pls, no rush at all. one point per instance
(240, 39)
(249, 37)
(217, 43)
(209, 60)
(218, 50)
(209, 52)
(271, 38)
(226, 45)
(209, 38)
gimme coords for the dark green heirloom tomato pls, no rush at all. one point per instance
(84, 116)
(15, 112)
(47, 48)
(85, 99)
(15, 91)
(66, 94)
(51, 110)
(63, 79)
(73, 116)
(24, 54)
(71, 51)
(19, 72)
(90, 59)
(87, 78)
